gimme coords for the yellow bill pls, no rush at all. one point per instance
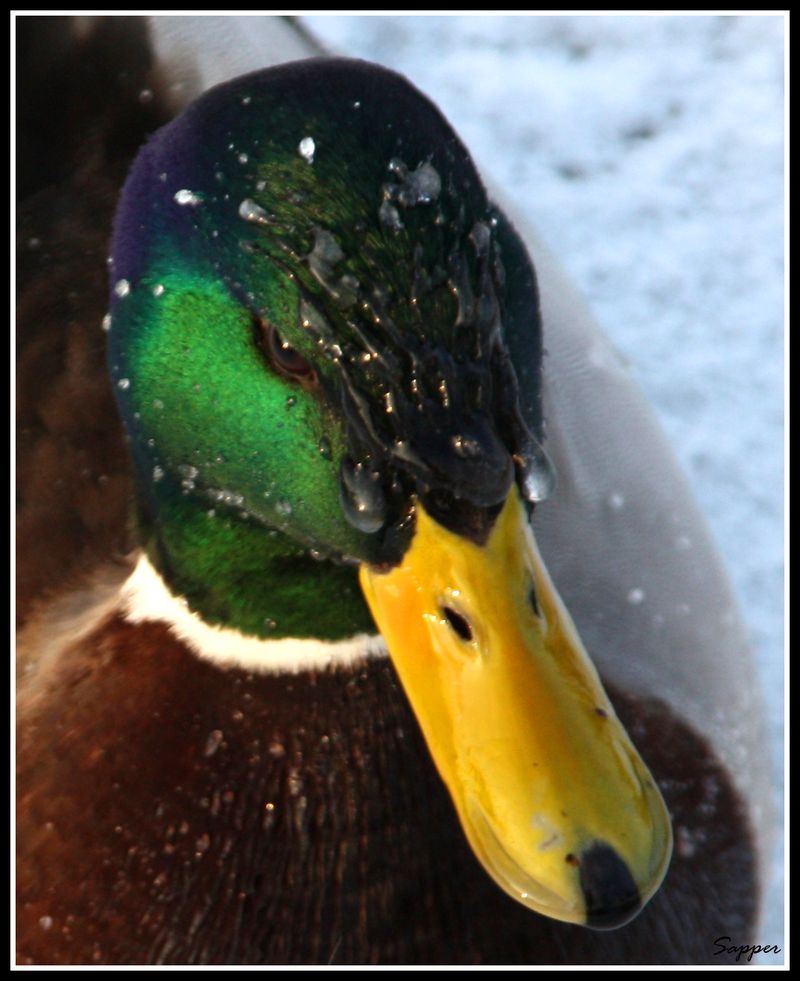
(552, 795)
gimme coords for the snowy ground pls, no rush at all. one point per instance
(649, 152)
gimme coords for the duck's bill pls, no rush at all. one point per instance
(553, 797)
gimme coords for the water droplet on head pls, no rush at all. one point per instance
(389, 216)
(306, 148)
(537, 476)
(361, 496)
(251, 211)
(185, 196)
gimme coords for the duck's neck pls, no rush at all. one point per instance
(236, 573)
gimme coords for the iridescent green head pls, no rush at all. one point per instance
(321, 330)
(317, 318)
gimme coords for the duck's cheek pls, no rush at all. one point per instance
(553, 797)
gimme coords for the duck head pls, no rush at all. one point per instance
(325, 344)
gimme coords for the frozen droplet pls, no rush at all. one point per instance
(425, 183)
(124, 383)
(466, 448)
(537, 476)
(251, 211)
(158, 289)
(107, 322)
(306, 148)
(635, 596)
(213, 742)
(122, 287)
(389, 216)
(185, 196)
(362, 497)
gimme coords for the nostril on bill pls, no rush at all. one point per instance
(458, 622)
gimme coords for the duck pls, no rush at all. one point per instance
(319, 701)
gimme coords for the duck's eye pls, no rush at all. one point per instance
(283, 356)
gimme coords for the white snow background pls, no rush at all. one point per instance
(649, 152)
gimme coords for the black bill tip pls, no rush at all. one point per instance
(612, 897)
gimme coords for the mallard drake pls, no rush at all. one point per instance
(325, 346)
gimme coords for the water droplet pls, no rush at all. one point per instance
(466, 448)
(213, 742)
(635, 596)
(122, 287)
(291, 401)
(188, 472)
(277, 751)
(243, 158)
(616, 501)
(203, 843)
(185, 196)
(158, 289)
(246, 99)
(158, 474)
(124, 383)
(284, 508)
(306, 148)
(107, 322)
(537, 475)
(269, 623)
(158, 404)
(683, 543)
(389, 216)
(145, 96)
(324, 447)
(251, 211)
(362, 497)
(46, 922)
